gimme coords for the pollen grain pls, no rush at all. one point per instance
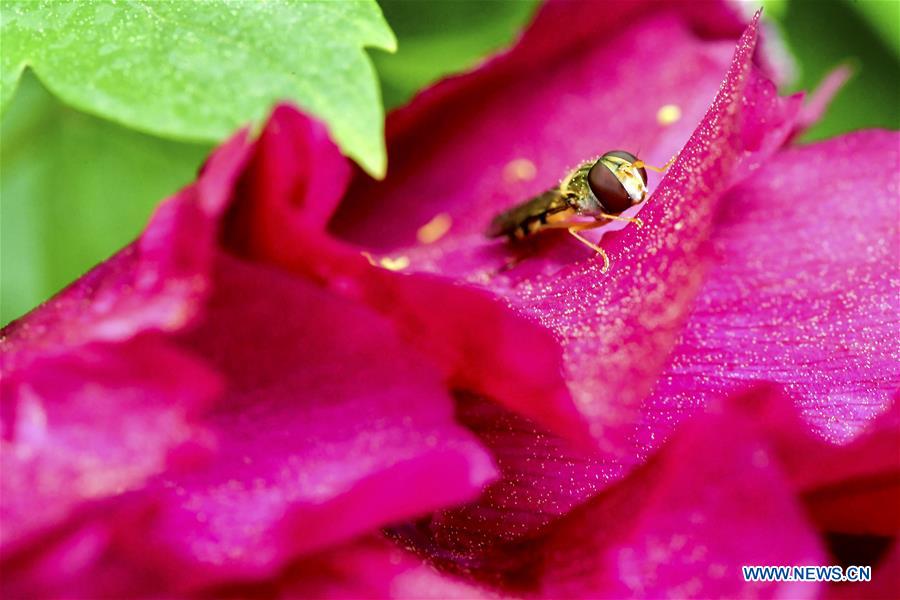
(519, 169)
(668, 114)
(434, 229)
(394, 264)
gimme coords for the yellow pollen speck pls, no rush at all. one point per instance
(368, 257)
(520, 169)
(434, 229)
(391, 264)
(394, 264)
(668, 114)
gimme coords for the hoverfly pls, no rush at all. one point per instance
(602, 189)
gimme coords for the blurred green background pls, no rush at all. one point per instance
(74, 188)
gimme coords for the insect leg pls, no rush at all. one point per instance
(637, 222)
(598, 222)
(639, 164)
(574, 229)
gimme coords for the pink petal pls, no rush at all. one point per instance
(439, 167)
(850, 488)
(94, 401)
(270, 223)
(455, 152)
(372, 568)
(753, 321)
(294, 179)
(329, 427)
(818, 102)
(613, 354)
(805, 293)
(82, 427)
(858, 371)
(540, 50)
(542, 478)
(84, 562)
(858, 507)
(885, 581)
(616, 329)
(855, 488)
(87, 564)
(713, 501)
(154, 284)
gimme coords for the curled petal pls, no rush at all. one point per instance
(812, 283)
(270, 223)
(885, 581)
(713, 501)
(616, 330)
(325, 412)
(805, 292)
(373, 568)
(154, 284)
(95, 400)
(329, 427)
(81, 428)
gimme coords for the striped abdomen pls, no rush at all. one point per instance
(528, 217)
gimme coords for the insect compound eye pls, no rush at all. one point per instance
(608, 188)
(627, 156)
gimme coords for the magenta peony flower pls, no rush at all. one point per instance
(299, 382)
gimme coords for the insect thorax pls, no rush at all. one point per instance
(578, 193)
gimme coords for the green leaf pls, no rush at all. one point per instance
(823, 35)
(197, 70)
(772, 9)
(442, 37)
(883, 16)
(75, 188)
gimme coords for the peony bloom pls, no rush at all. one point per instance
(299, 382)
